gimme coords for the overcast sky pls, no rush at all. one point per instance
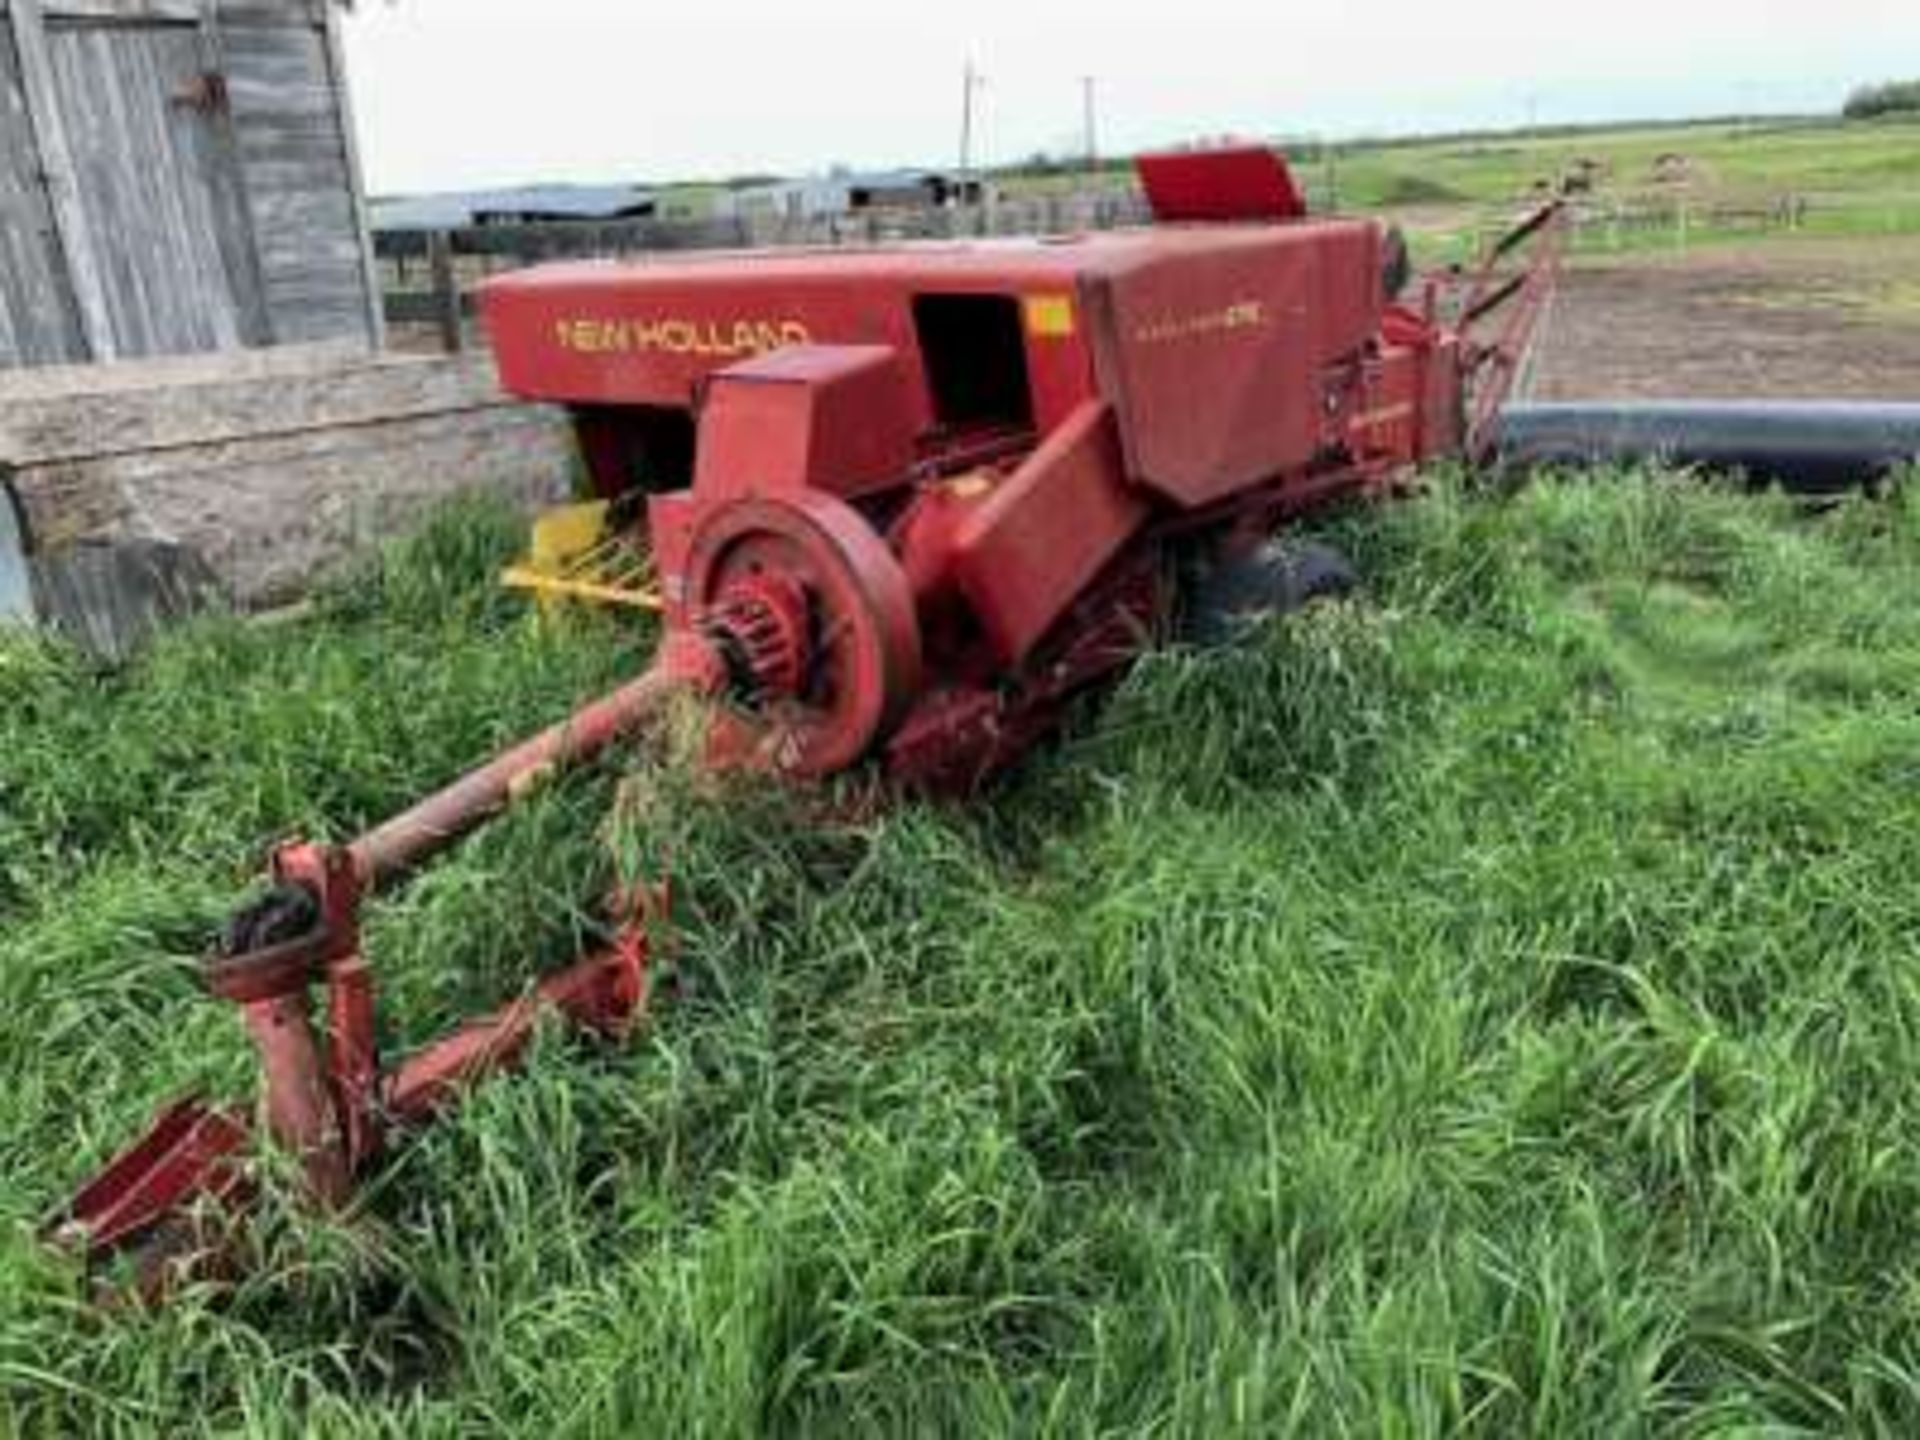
(461, 93)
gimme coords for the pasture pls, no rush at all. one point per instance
(1488, 1005)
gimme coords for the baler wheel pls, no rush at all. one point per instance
(861, 666)
(1279, 577)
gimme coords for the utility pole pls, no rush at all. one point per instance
(1091, 109)
(970, 85)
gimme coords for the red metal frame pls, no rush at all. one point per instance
(170, 1201)
(1520, 297)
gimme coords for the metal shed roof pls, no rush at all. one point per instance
(457, 208)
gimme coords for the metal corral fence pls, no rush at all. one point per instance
(1602, 222)
(428, 275)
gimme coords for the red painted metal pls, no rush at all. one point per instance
(1241, 182)
(813, 417)
(1027, 551)
(190, 1155)
(863, 667)
(400, 845)
(935, 491)
(1523, 294)
(1218, 370)
(604, 993)
(172, 1200)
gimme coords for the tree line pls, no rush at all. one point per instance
(1869, 102)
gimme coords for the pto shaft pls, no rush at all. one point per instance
(401, 845)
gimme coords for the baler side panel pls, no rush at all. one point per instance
(618, 336)
(1214, 361)
(1029, 551)
(832, 418)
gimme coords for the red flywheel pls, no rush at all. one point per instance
(815, 619)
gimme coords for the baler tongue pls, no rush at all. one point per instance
(170, 1204)
(1500, 316)
(165, 1201)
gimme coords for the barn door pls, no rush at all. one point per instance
(39, 321)
(156, 179)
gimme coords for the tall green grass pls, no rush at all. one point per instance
(1489, 1005)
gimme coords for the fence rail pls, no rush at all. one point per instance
(428, 275)
(1680, 216)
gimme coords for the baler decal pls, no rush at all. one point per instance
(674, 336)
(1242, 315)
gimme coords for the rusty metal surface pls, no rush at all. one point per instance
(394, 848)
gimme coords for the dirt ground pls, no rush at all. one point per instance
(1778, 319)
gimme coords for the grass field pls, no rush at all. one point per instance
(1813, 158)
(1856, 178)
(1487, 1006)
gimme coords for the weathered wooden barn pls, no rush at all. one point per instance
(176, 176)
(195, 400)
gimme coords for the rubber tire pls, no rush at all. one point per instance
(1277, 579)
(1396, 264)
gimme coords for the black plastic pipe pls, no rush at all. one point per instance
(1808, 447)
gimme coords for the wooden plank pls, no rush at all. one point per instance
(126, 12)
(111, 599)
(569, 240)
(293, 103)
(38, 321)
(283, 152)
(589, 238)
(400, 244)
(447, 300)
(298, 180)
(270, 514)
(170, 371)
(290, 14)
(145, 170)
(239, 245)
(294, 203)
(356, 178)
(424, 307)
(45, 113)
(95, 424)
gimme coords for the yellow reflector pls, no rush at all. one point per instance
(1050, 317)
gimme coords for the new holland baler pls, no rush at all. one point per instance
(902, 504)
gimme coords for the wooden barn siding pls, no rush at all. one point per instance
(293, 159)
(38, 323)
(263, 246)
(274, 467)
(148, 174)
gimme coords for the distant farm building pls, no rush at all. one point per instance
(176, 176)
(521, 205)
(846, 193)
